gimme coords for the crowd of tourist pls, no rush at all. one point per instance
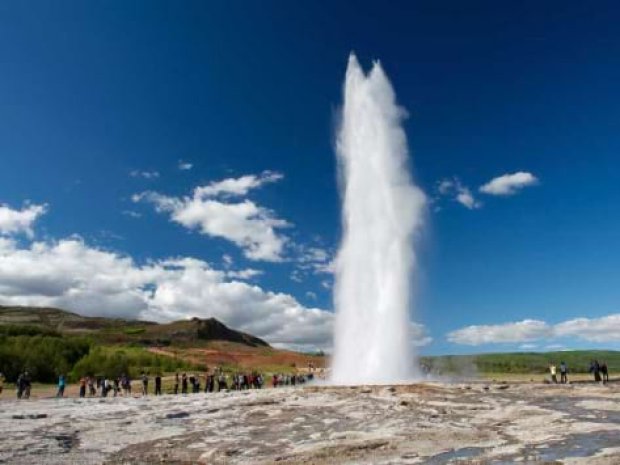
(182, 383)
(598, 370)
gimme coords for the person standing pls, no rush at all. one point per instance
(563, 373)
(158, 384)
(176, 383)
(27, 385)
(595, 369)
(184, 383)
(145, 384)
(61, 386)
(605, 372)
(552, 370)
(82, 386)
(91, 386)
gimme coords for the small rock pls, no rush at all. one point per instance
(177, 415)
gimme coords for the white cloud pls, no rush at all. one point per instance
(185, 166)
(465, 198)
(255, 229)
(314, 259)
(71, 275)
(521, 331)
(460, 193)
(509, 184)
(311, 295)
(144, 174)
(445, 186)
(245, 274)
(602, 330)
(238, 186)
(227, 260)
(20, 221)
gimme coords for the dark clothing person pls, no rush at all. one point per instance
(595, 369)
(605, 372)
(158, 385)
(82, 387)
(563, 373)
(176, 383)
(184, 384)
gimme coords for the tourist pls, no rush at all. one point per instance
(552, 370)
(563, 373)
(222, 383)
(82, 387)
(145, 384)
(158, 384)
(184, 383)
(595, 369)
(106, 386)
(605, 372)
(91, 386)
(116, 385)
(19, 386)
(176, 383)
(210, 383)
(61, 386)
(23, 385)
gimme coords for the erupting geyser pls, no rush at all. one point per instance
(381, 211)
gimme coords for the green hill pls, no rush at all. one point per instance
(120, 331)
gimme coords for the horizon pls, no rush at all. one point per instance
(179, 162)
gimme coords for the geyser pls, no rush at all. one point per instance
(381, 211)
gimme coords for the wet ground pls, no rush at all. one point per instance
(410, 424)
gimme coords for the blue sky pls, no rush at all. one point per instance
(101, 102)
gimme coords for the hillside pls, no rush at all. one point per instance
(119, 331)
(50, 341)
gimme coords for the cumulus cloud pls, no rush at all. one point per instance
(185, 166)
(603, 330)
(509, 184)
(69, 274)
(460, 193)
(521, 331)
(255, 229)
(144, 174)
(20, 221)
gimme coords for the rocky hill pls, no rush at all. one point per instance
(115, 330)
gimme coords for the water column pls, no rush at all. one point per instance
(381, 211)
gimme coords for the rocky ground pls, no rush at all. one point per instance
(411, 424)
